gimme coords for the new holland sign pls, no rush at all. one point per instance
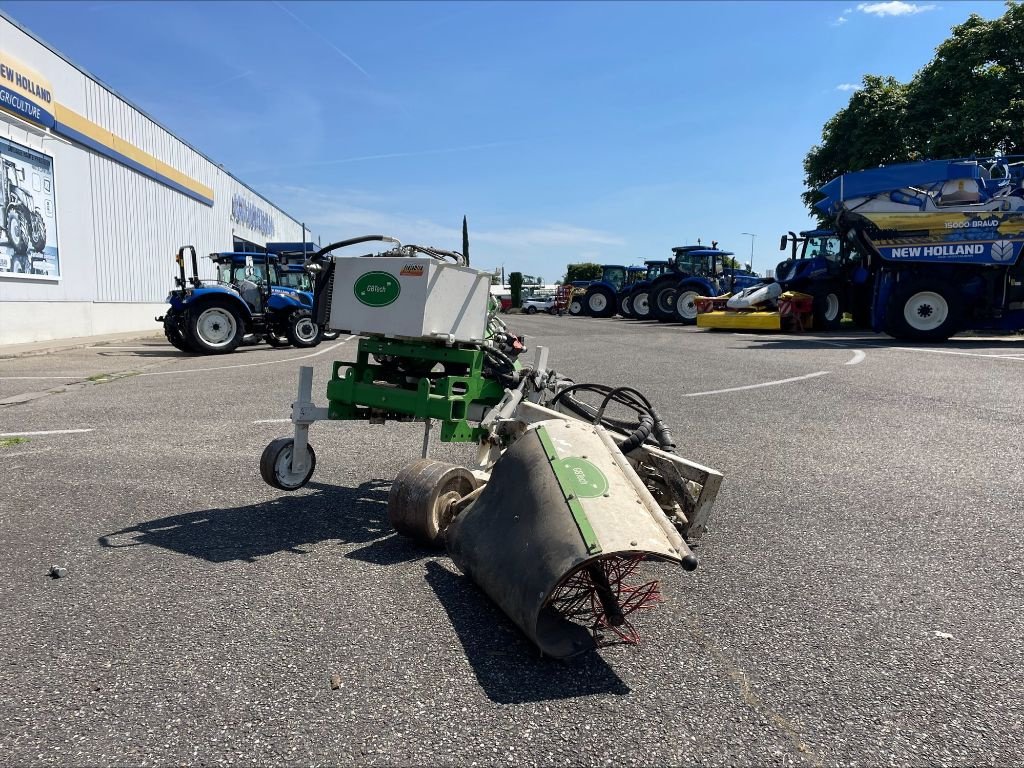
(24, 92)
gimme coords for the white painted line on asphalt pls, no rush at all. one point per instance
(947, 352)
(249, 365)
(28, 378)
(858, 357)
(45, 432)
(271, 421)
(775, 383)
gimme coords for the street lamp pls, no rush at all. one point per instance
(751, 235)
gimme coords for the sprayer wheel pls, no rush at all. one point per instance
(421, 497)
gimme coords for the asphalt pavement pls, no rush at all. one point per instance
(858, 600)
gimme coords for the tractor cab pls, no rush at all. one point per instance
(814, 254)
(253, 275)
(634, 275)
(682, 262)
(655, 269)
(613, 275)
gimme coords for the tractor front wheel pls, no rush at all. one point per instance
(828, 310)
(276, 465)
(576, 307)
(302, 331)
(215, 328)
(686, 306)
(38, 232)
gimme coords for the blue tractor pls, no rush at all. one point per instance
(603, 297)
(624, 299)
(638, 302)
(695, 270)
(247, 297)
(708, 272)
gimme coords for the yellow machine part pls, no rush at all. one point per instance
(761, 321)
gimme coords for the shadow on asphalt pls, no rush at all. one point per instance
(285, 524)
(508, 667)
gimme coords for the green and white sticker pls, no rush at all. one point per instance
(377, 289)
(582, 478)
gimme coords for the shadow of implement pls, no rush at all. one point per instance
(285, 524)
(505, 663)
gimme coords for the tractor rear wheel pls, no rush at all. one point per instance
(214, 328)
(640, 304)
(663, 302)
(276, 465)
(177, 340)
(686, 306)
(626, 305)
(923, 309)
(600, 301)
(17, 230)
(301, 330)
(421, 500)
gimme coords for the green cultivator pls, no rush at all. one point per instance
(565, 501)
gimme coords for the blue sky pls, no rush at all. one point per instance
(565, 131)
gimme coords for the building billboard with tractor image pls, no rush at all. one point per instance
(29, 216)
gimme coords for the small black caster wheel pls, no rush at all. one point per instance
(276, 465)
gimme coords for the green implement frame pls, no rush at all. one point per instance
(399, 385)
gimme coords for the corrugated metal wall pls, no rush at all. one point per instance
(122, 249)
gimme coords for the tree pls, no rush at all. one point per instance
(515, 284)
(584, 271)
(968, 100)
(868, 131)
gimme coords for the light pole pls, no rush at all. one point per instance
(751, 235)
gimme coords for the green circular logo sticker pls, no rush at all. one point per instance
(583, 478)
(376, 289)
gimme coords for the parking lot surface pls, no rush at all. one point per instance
(858, 601)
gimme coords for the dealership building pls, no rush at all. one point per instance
(98, 197)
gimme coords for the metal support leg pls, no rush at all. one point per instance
(428, 424)
(304, 413)
(299, 460)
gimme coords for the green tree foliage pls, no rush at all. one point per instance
(583, 271)
(868, 131)
(968, 100)
(515, 284)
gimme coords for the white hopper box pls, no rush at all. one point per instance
(410, 298)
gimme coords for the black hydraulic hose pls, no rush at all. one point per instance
(351, 241)
(639, 435)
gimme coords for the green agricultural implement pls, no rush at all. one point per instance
(575, 486)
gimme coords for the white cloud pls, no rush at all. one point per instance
(840, 21)
(847, 87)
(894, 8)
